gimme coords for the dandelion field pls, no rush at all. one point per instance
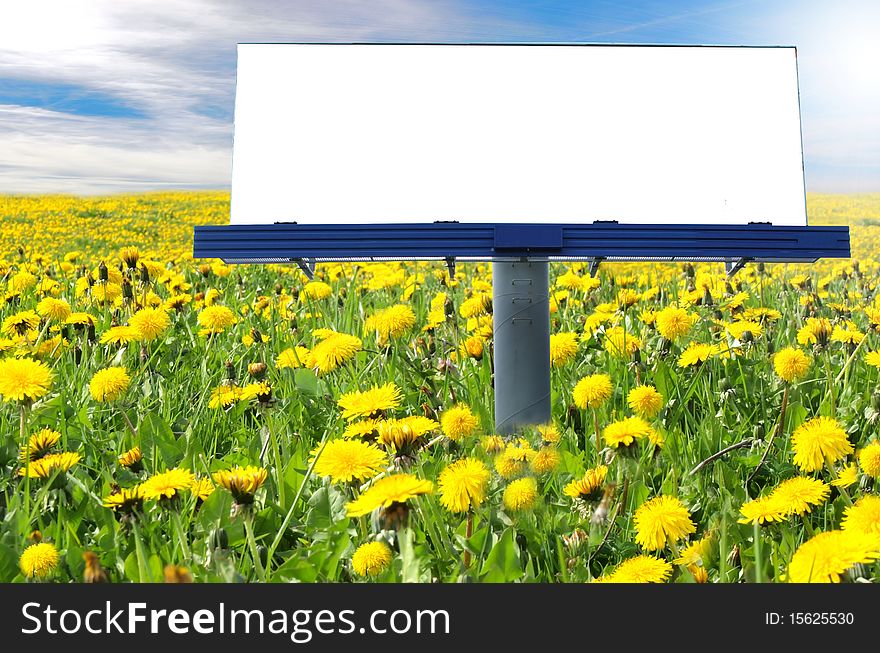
(165, 419)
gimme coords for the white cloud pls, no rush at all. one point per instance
(173, 61)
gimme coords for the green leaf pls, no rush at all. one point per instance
(154, 431)
(8, 564)
(306, 381)
(154, 568)
(411, 565)
(503, 564)
(327, 506)
(296, 568)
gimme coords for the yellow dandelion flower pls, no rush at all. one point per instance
(401, 434)
(463, 485)
(149, 323)
(791, 364)
(24, 379)
(869, 459)
(696, 353)
(119, 335)
(202, 488)
(39, 444)
(261, 391)
(592, 391)
(873, 358)
(549, 433)
(645, 401)
(478, 304)
(589, 486)
(20, 323)
(367, 428)
(492, 443)
(620, 343)
(241, 482)
(370, 403)
(224, 395)
(563, 348)
(458, 422)
(817, 440)
(334, 351)
(371, 559)
(849, 335)
(80, 320)
(673, 322)
(131, 458)
(661, 521)
(798, 495)
(109, 384)
(125, 499)
(216, 319)
(473, 347)
(738, 329)
(39, 560)
(849, 475)
(397, 488)
(167, 484)
(50, 464)
(626, 431)
(53, 309)
(640, 569)
(292, 358)
(816, 331)
(863, 516)
(390, 322)
(826, 557)
(521, 495)
(317, 290)
(545, 460)
(349, 460)
(763, 510)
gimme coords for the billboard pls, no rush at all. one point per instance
(385, 134)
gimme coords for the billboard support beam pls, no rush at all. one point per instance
(521, 324)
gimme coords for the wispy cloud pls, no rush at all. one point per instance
(173, 62)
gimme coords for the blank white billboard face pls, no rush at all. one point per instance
(516, 133)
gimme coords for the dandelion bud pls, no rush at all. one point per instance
(127, 292)
(205, 270)
(689, 270)
(279, 289)
(230, 370)
(257, 370)
(102, 272)
(219, 538)
(747, 336)
(145, 274)
(875, 401)
(707, 298)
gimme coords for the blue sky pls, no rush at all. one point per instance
(100, 96)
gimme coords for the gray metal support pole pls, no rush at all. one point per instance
(521, 308)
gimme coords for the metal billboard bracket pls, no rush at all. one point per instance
(307, 266)
(732, 267)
